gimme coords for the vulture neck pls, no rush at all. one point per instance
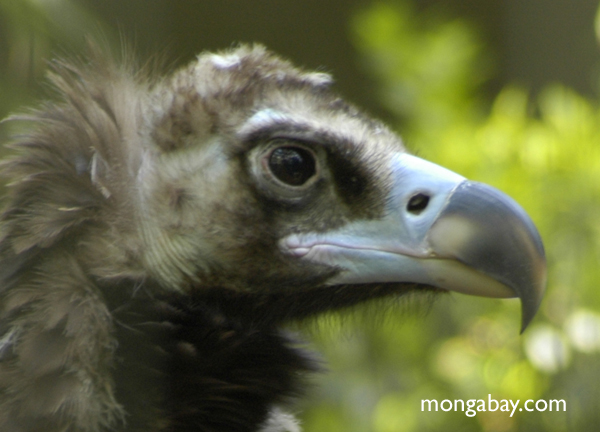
(192, 364)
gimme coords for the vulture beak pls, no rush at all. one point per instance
(441, 230)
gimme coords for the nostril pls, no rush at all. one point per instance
(417, 203)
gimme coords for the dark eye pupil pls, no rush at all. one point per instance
(292, 165)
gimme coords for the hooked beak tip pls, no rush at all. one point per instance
(489, 232)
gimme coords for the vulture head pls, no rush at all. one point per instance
(158, 231)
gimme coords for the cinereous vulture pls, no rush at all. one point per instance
(157, 232)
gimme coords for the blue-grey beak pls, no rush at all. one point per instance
(442, 230)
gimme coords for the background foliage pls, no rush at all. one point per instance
(542, 150)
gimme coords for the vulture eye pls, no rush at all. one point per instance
(292, 165)
(286, 169)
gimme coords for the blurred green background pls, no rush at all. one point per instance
(503, 92)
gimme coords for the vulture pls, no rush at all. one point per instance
(159, 232)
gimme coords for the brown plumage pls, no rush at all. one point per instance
(157, 232)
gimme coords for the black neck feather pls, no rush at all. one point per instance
(188, 364)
